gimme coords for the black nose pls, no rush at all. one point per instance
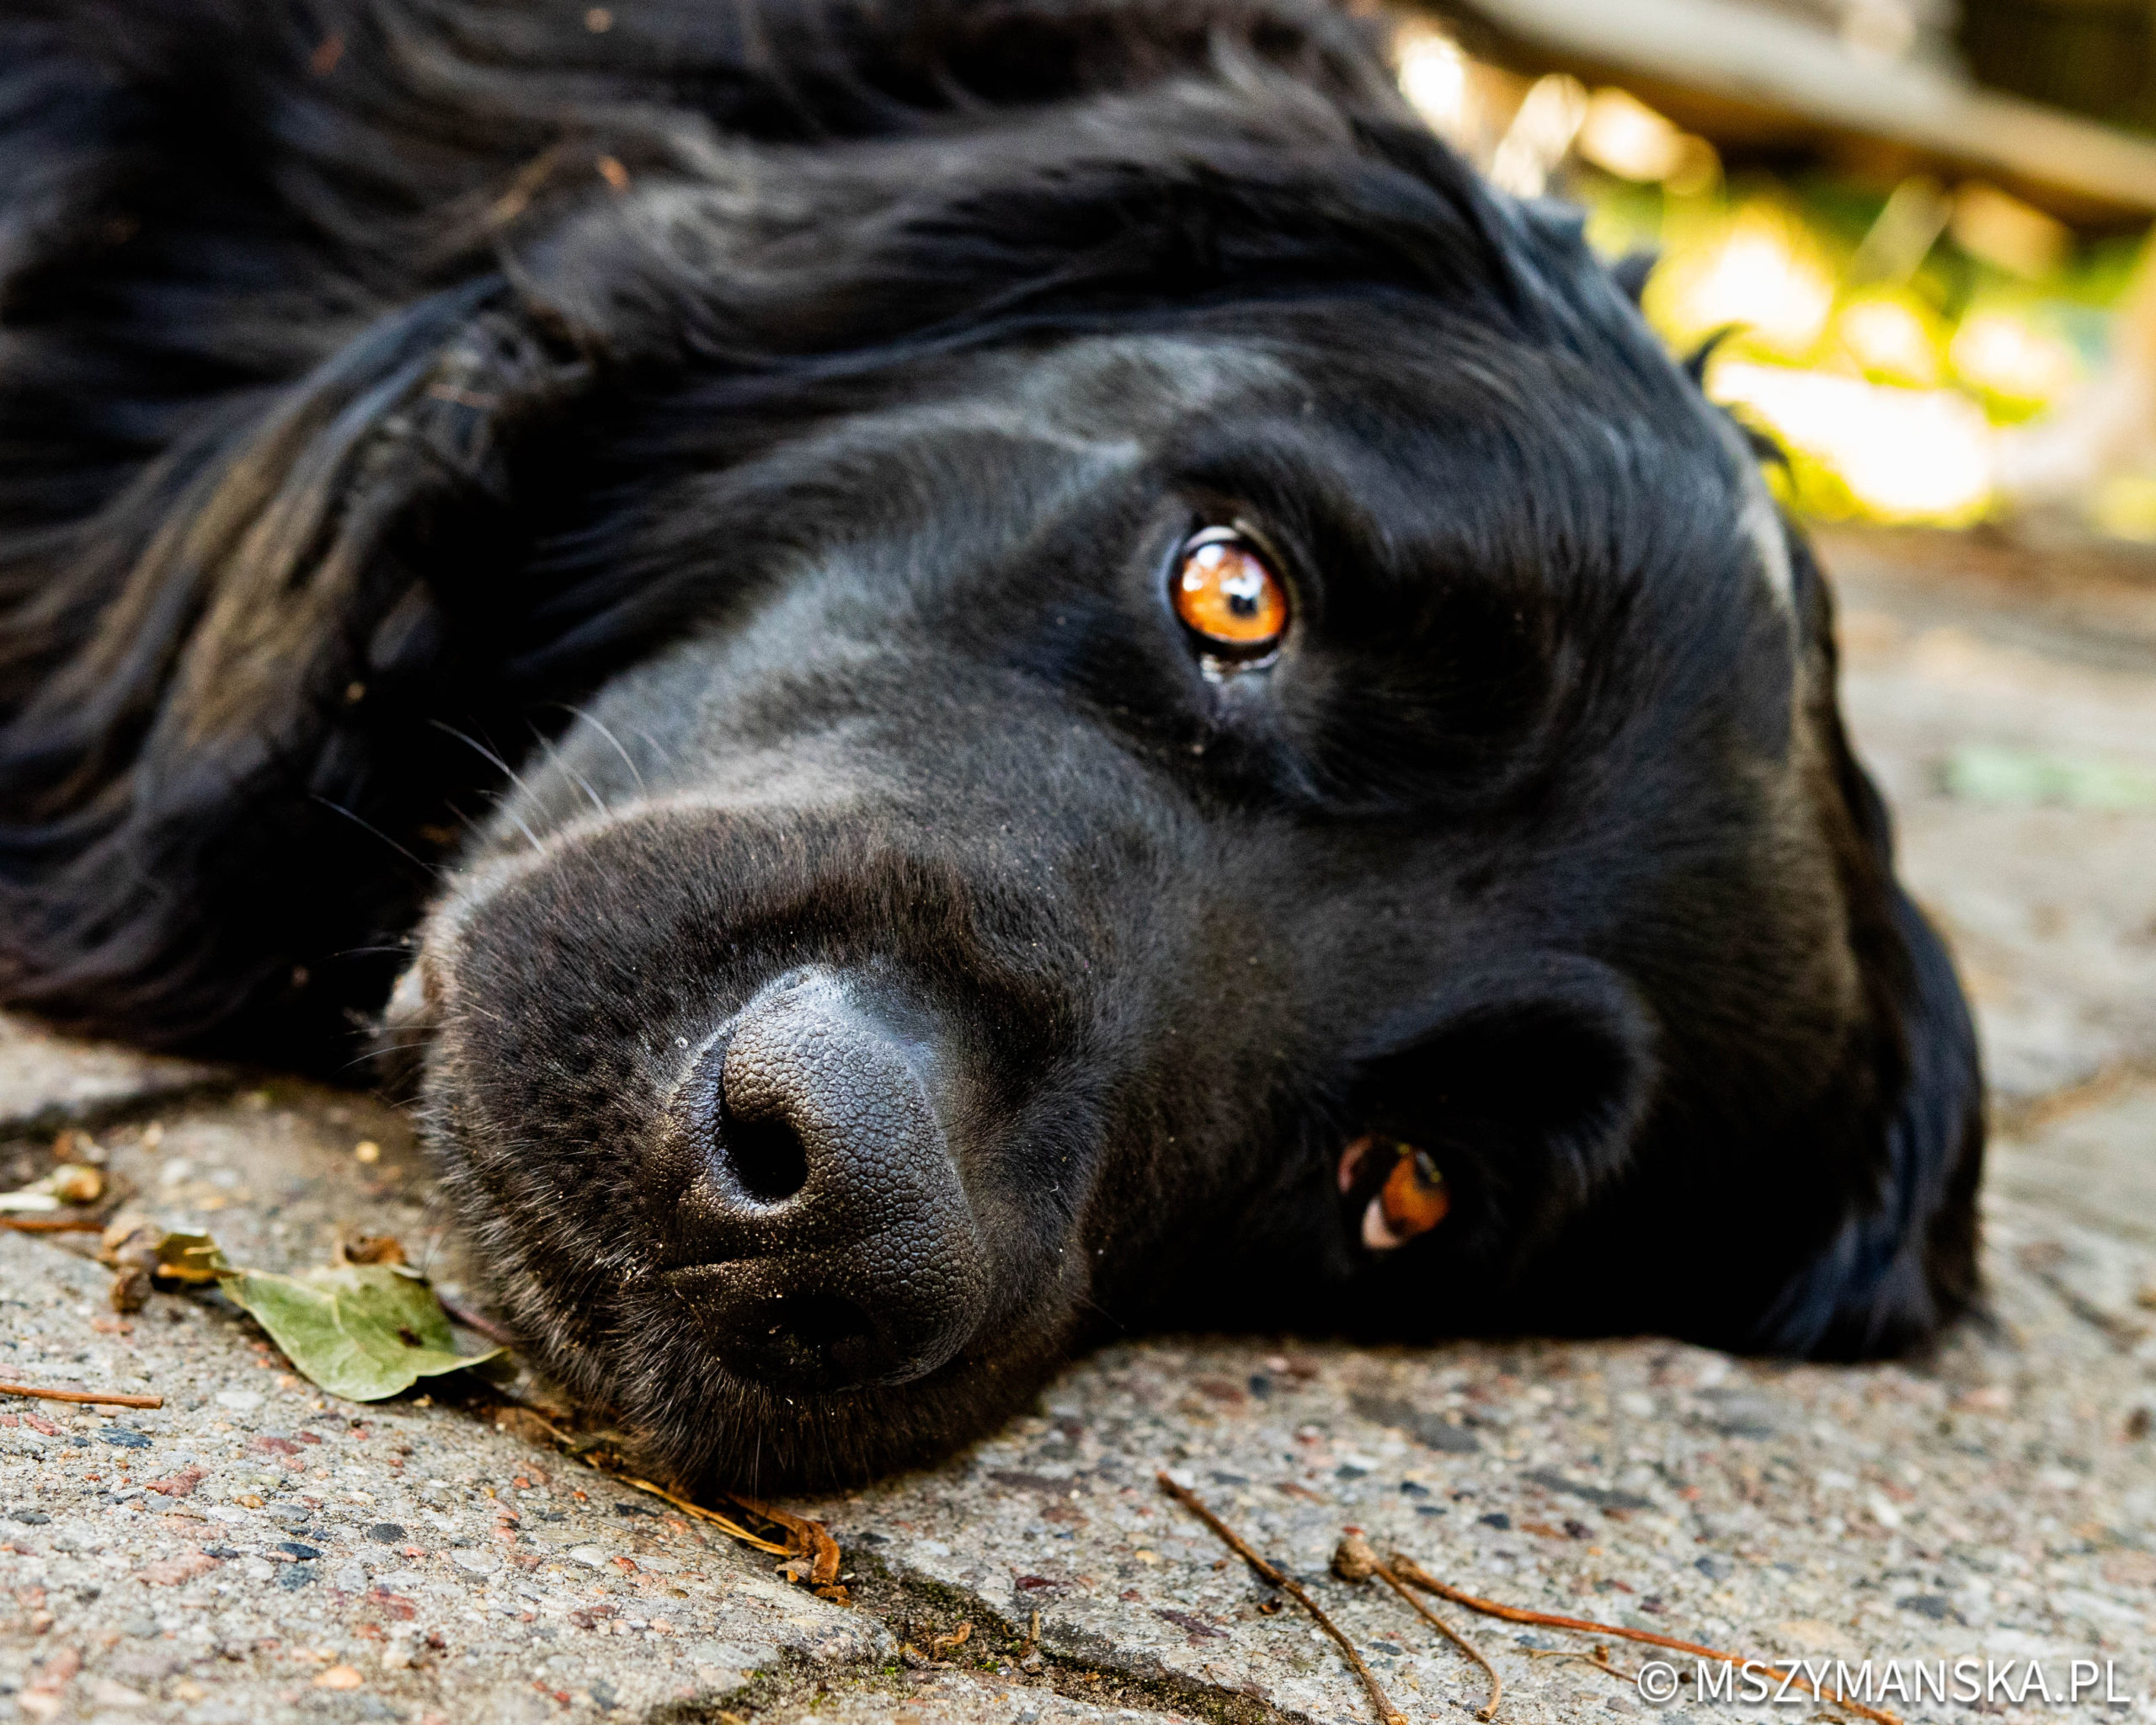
(823, 1236)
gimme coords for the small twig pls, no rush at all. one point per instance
(1415, 1576)
(687, 1508)
(1355, 1560)
(811, 1538)
(1598, 1658)
(1294, 1590)
(101, 1398)
(52, 1225)
(811, 1542)
(1452, 1635)
(473, 1320)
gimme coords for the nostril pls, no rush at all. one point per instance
(815, 1160)
(767, 1156)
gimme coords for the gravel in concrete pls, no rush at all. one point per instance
(48, 1082)
(253, 1551)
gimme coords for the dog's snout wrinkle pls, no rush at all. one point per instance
(824, 1236)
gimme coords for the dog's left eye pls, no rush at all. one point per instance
(1227, 593)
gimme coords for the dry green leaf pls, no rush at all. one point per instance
(360, 1331)
(189, 1258)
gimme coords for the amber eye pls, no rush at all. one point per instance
(1226, 593)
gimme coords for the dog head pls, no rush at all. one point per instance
(1169, 713)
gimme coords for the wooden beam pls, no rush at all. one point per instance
(1767, 73)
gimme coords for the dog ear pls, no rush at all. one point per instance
(271, 609)
(1902, 1259)
(1527, 1079)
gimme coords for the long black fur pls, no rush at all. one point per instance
(383, 381)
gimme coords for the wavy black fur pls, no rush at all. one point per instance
(762, 425)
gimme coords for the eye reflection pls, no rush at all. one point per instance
(1227, 593)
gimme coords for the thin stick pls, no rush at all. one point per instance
(1452, 1635)
(1598, 1658)
(101, 1398)
(701, 1514)
(473, 1320)
(1234, 1541)
(818, 1542)
(1415, 1576)
(51, 1225)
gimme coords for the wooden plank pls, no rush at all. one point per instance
(1765, 69)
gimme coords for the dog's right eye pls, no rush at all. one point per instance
(1228, 595)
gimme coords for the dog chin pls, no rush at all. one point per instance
(695, 1417)
(737, 1434)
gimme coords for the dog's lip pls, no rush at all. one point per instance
(689, 1272)
(678, 1255)
(862, 1354)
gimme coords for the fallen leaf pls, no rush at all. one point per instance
(130, 1287)
(360, 1331)
(74, 1183)
(189, 1257)
(71, 1183)
(131, 1238)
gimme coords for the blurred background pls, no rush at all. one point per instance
(1923, 224)
(1921, 231)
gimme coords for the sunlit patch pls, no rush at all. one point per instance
(1905, 455)
(2008, 356)
(1890, 339)
(1623, 135)
(1433, 77)
(1765, 276)
(1542, 132)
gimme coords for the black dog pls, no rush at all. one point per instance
(1133, 700)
